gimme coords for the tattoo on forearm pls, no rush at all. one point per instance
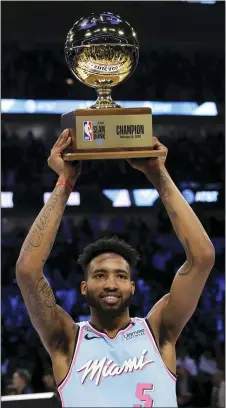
(41, 302)
(43, 287)
(36, 234)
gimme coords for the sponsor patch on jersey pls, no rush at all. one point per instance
(133, 334)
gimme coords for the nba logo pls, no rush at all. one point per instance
(88, 131)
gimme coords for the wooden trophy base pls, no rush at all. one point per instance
(114, 133)
(107, 155)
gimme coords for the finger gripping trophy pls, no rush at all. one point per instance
(102, 51)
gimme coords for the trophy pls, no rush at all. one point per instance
(102, 51)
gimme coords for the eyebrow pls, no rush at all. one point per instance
(105, 270)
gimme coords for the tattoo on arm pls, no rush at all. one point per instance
(43, 287)
(41, 302)
(53, 325)
(35, 237)
(47, 317)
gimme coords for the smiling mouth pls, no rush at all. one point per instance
(110, 299)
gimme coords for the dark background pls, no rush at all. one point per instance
(167, 23)
(182, 58)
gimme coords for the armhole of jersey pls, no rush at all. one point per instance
(152, 333)
(60, 385)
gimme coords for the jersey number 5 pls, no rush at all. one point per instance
(140, 394)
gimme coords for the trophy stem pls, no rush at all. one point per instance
(104, 99)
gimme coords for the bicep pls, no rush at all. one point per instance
(183, 298)
(49, 319)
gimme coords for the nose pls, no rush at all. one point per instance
(111, 284)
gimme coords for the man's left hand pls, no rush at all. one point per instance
(152, 164)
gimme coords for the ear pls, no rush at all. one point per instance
(133, 287)
(83, 288)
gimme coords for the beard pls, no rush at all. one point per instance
(105, 310)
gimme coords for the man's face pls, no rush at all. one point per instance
(108, 288)
(17, 381)
(48, 381)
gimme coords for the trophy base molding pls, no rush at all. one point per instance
(114, 155)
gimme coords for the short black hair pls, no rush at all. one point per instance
(48, 371)
(106, 244)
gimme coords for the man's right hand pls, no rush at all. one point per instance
(65, 170)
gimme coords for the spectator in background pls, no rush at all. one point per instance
(218, 391)
(187, 77)
(207, 363)
(50, 384)
(186, 361)
(21, 381)
(207, 367)
(186, 387)
(48, 381)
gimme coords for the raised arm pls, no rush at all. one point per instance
(54, 326)
(189, 281)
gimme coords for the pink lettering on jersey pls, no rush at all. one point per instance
(108, 368)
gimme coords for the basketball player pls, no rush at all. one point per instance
(113, 360)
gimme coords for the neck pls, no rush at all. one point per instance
(107, 323)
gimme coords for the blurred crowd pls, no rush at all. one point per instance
(161, 75)
(26, 173)
(200, 365)
(173, 75)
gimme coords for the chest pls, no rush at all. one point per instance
(103, 357)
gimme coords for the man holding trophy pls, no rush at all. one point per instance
(112, 360)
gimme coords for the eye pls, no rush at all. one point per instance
(122, 276)
(99, 276)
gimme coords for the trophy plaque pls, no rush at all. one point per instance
(102, 51)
